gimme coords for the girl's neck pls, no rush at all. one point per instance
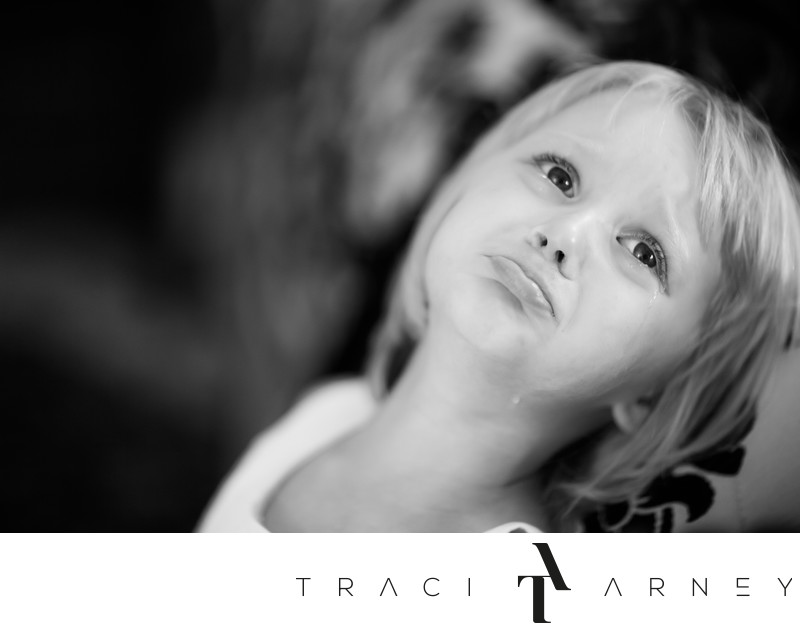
(453, 447)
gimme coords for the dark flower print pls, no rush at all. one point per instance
(686, 484)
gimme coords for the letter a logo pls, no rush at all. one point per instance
(553, 573)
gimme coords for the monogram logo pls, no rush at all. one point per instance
(553, 573)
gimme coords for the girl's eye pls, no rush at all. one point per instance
(643, 252)
(560, 172)
(562, 180)
(644, 248)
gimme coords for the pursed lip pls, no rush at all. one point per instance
(523, 281)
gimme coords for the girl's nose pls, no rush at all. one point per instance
(539, 240)
(564, 241)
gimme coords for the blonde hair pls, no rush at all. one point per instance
(748, 191)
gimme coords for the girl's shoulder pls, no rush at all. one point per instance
(325, 413)
(335, 400)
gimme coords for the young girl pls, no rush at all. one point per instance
(595, 296)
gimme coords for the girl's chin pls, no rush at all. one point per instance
(504, 337)
(491, 311)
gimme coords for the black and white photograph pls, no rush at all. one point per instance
(322, 268)
(402, 266)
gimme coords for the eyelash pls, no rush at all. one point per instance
(542, 159)
(660, 269)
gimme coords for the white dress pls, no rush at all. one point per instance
(319, 419)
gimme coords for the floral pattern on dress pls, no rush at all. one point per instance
(686, 485)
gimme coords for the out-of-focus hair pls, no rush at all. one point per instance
(749, 197)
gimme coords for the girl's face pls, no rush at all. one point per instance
(574, 258)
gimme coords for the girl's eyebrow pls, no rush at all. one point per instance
(590, 146)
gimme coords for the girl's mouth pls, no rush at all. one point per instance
(519, 282)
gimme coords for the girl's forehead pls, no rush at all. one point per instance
(630, 114)
(624, 134)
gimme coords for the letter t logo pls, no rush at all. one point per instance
(554, 574)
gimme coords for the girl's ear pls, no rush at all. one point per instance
(629, 415)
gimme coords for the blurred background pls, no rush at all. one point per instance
(201, 203)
